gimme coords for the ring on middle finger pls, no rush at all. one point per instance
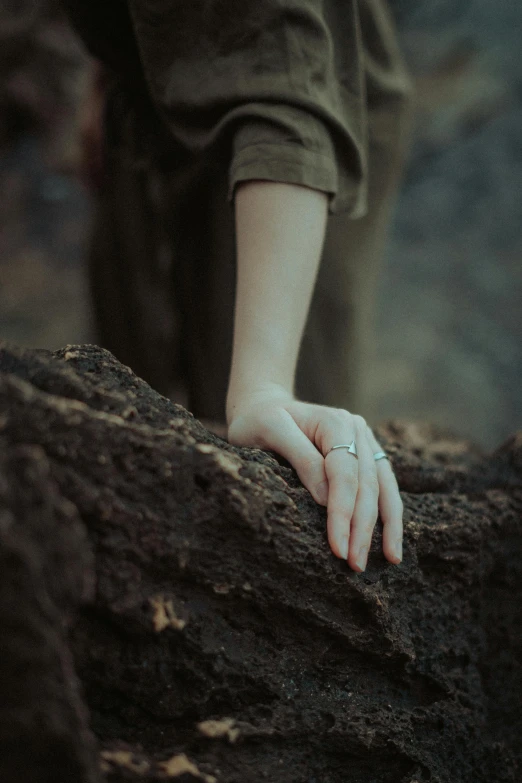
(352, 448)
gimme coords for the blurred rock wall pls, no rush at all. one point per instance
(450, 338)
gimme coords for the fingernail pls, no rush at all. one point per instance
(343, 547)
(362, 558)
(398, 549)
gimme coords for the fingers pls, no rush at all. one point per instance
(391, 507)
(342, 471)
(359, 490)
(355, 489)
(366, 503)
(284, 436)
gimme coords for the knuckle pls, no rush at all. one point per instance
(311, 465)
(351, 480)
(370, 482)
(371, 437)
(391, 477)
(360, 422)
(342, 415)
(268, 421)
(363, 531)
(368, 525)
(341, 512)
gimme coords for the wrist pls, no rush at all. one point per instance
(246, 394)
(258, 367)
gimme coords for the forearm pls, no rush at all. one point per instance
(280, 231)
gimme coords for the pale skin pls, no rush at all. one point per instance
(280, 230)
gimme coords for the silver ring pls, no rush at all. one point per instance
(380, 455)
(352, 448)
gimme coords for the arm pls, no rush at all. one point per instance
(280, 231)
(280, 234)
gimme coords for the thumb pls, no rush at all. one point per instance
(281, 434)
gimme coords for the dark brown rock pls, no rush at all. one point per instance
(189, 586)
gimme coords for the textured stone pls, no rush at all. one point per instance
(187, 583)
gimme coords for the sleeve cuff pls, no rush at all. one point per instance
(288, 162)
(291, 163)
(283, 143)
(282, 162)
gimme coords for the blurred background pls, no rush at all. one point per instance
(450, 322)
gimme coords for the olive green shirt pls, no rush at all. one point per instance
(281, 87)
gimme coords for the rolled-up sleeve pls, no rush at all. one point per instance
(288, 144)
(277, 84)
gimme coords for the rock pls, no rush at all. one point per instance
(156, 580)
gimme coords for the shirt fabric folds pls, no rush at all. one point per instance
(281, 87)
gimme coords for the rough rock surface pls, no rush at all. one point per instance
(170, 609)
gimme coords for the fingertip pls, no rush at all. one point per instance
(354, 565)
(339, 548)
(393, 552)
(354, 559)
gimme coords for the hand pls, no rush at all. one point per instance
(355, 491)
